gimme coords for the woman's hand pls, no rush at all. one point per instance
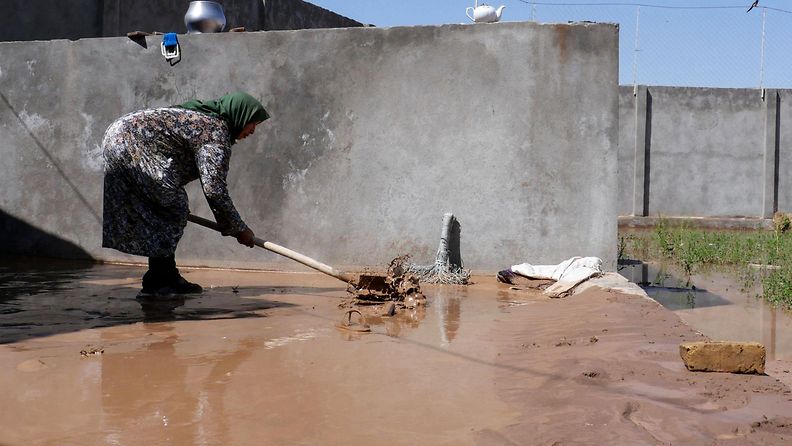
(246, 238)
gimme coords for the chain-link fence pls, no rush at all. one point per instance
(700, 44)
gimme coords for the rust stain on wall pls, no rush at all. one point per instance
(561, 32)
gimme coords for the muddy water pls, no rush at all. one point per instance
(219, 369)
(257, 359)
(718, 305)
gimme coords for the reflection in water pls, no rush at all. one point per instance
(43, 299)
(717, 305)
(672, 292)
(147, 392)
(445, 304)
(24, 283)
(769, 329)
(393, 325)
(448, 306)
(139, 391)
(160, 310)
(509, 299)
(445, 311)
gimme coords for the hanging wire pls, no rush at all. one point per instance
(762, 53)
(712, 45)
(635, 55)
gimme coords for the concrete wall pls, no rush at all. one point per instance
(704, 152)
(74, 19)
(375, 134)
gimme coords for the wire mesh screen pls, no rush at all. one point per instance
(690, 43)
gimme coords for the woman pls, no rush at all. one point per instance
(149, 156)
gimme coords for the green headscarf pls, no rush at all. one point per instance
(237, 109)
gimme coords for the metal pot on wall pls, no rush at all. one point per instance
(204, 17)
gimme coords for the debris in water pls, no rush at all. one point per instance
(397, 285)
(411, 302)
(348, 325)
(389, 309)
(384, 296)
(563, 342)
(91, 351)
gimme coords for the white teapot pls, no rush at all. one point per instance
(484, 13)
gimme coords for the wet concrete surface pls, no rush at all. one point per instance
(256, 359)
(64, 297)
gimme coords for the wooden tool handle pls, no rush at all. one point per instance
(285, 252)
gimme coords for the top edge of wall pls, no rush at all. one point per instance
(361, 29)
(754, 90)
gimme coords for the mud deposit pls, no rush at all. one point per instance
(397, 284)
(257, 359)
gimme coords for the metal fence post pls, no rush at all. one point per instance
(643, 131)
(771, 146)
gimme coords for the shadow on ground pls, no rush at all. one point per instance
(21, 238)
(43, 298)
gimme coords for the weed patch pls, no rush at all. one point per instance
(694, 250)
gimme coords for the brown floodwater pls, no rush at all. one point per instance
(257, 359)
(719, 304)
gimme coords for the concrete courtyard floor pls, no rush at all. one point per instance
(257, 359)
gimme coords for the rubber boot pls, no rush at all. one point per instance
(163, 279)
(158, 276)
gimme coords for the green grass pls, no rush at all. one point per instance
(694, 250)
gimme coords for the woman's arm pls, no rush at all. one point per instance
(213, 161)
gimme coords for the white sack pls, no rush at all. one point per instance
(567, 274)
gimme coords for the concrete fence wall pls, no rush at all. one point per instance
(704, 152)
(375, 134)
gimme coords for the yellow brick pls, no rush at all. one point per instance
(724, 356)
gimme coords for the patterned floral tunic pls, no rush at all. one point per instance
(149, 156)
